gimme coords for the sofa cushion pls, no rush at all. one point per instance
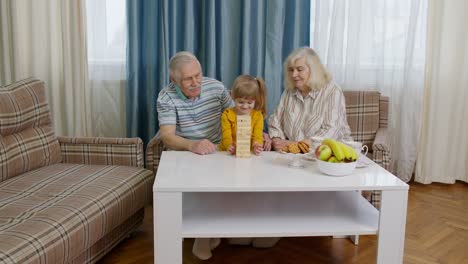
(362, 110)
(53, 214)
(27, 138)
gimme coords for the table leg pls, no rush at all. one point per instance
(392, 222)
(167, 221)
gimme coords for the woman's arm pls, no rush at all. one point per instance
(275, 127)
(266, 142)
(335, 124)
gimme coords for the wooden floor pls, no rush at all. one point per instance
(436, 232)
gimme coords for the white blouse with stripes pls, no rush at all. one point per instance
(319, 114)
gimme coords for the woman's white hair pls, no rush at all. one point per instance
(319, 76)
(179, 59)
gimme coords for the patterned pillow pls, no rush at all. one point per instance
(27, 138)
(362, 110)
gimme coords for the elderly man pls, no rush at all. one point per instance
(189, 112)
(190, 107)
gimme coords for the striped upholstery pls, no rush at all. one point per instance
(108, 242)
(27, 138)
(55, 213)
(383, 111)
(102, 151)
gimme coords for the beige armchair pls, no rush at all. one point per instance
(367, 113)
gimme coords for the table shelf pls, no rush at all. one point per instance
(277, 214)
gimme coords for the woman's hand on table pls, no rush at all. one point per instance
(266, 142)
(278, 143)
(308, 142)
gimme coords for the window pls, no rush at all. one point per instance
(369, 33)
(107, 33)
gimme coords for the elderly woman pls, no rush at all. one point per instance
(312, 106)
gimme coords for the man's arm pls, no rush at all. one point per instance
(175, 142)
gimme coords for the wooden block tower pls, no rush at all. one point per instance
(243, 136)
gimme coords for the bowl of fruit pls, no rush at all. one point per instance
(335, 158)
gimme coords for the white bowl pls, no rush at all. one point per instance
(336, 169)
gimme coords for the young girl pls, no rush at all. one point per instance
(249, 95)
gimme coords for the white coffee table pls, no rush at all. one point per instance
(218, 195)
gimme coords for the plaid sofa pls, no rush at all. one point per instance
(63, 200)
(367, 113)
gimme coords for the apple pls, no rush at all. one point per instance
(323, 152)
(332, 159)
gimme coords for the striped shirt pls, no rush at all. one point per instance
(319, 114)
(195, 119)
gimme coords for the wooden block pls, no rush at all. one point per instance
(243, 136)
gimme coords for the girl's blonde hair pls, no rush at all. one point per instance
(246, 86)
(319, 76)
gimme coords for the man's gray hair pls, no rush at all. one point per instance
(180, 58)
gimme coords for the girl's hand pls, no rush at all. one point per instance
(257, 148)
(232, 149)
(266, 142)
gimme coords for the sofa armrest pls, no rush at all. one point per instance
(102, 151)
(381, 147)
(153, 154)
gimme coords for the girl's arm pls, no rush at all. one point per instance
(257, 132)
(257, 128)
(226, 138)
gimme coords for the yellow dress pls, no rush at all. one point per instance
(228, 126)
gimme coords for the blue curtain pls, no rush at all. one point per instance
(228, 37)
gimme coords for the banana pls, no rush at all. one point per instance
(348, 155)
(336, 148)
(349, 152)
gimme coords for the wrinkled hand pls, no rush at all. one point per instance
(278, 143)
(257, 148)
(232, 149)
(266, 142)
(307, 141)
(203, 147)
